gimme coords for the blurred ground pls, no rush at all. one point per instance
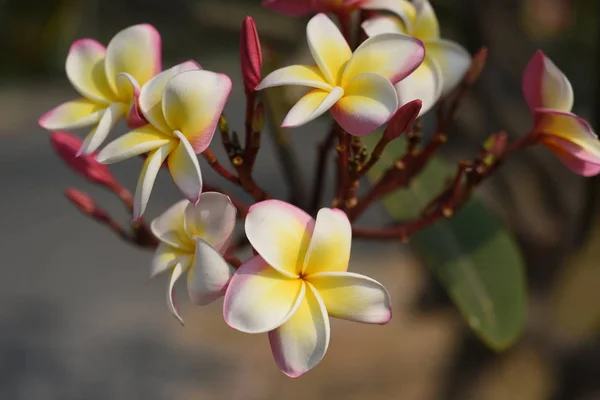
(80, 321)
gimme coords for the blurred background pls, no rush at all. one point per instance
(79, 320)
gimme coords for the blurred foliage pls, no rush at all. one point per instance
(472, 253)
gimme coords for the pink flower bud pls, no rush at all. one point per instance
(402, 119)
(250, 55)
(67, 145)
(84, 203)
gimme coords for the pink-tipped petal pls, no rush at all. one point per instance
(98, 135)
(383, 24)
(545, 86)
(369, 101)
(328, 47)
(302, 341)
(150, 101)
(212, 219)
(73, 114)
(290, 7)
(134, 143)
(209, 275)
(135, 50)
(311, 106)
(169, 227)
(260, 299)
(353, 297)
(193, 102)
(426, 84)
(453, 60)
(166, 257)
(329, 248)
(574, 157)
(280, 233)
(185, 170)
(302, 75)
(171, 302)
(391, 55)
(150, 169)
(85, 70)
(567, 126)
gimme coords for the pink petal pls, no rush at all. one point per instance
(290, 7)
(545, 86)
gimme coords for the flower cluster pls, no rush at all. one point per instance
(298, 276)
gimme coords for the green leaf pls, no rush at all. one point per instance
(475, 257)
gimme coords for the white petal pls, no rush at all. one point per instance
(311, 106)
(280, 233)
(147, 177)
(212, 219)
(135, 50)
(97, 136)
(382, 24)
(329, 248)
(131, 144)
(85, 70)
(426, 84)
(301, 343)
(209, 275)
(169, 227)
(259, 298)
(151, 94)
(352, 296)
(166, 257)
(454, 62)
(171, 302)
(185, 170)
(328, 47)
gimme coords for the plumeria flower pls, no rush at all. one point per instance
(357, 88)
(445, 62)
(182, 105)
(297, 280)
(304, 7)
(549, 95)
(109, 80)
(192, 239)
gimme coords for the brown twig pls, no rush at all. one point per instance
(212, 160)
(321, 169)
(343, 150)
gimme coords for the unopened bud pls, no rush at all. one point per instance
(402, 119)
(477, 66)
(494, 146)
(84, 203)
(67, 146)
(250, 55)
(258, 119)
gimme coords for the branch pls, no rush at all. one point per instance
(321, 169)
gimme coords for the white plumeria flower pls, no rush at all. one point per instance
(192, 238)
(297, 280)
(445, 63)
(109, 80)
(357, 88)
(182, 105)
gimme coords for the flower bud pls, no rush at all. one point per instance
(402, 119)
(85, 203)
(258, 119)
(250, 55)
(67, 145)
